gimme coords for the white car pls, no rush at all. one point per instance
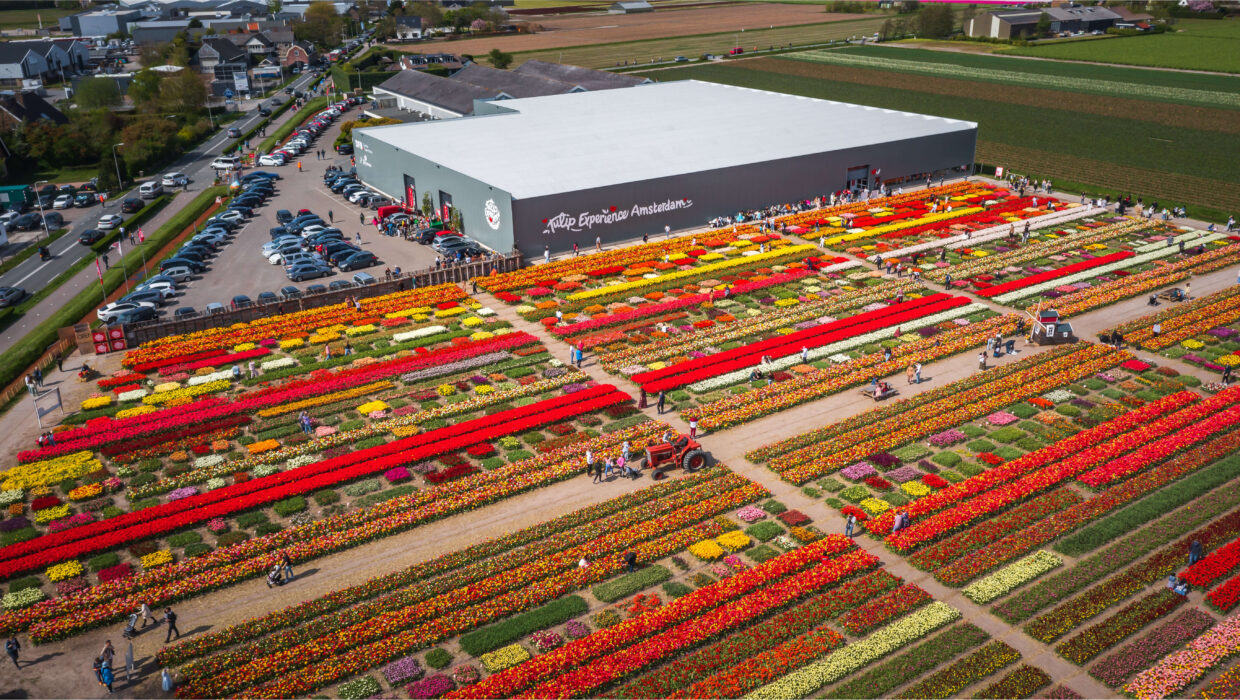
(107, 222)
(64, 201)
(175, 180)
(116, 308)
(232, 215)
(159, 284)
(226, 162)
(271, 160)
(359, 194)
(7, 217)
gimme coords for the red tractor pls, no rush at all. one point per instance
(682, 451)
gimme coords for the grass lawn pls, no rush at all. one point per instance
(1201, 44)
(29, 18)
(1086, 148)
(611, 55)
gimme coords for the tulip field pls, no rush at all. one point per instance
(420, 459)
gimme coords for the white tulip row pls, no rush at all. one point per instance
(738, 376)
(842, 662)
(207, 378)
(280, 363)
(418, 333)
(995, 232)
(1089, 274)
(1192, 237)
(1009, 577)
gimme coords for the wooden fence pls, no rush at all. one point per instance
(137, 334)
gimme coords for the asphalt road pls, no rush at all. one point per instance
(34, 274)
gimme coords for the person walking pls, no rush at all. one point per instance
(13, 648)
(908, 374)
(105, 674)
(359, 237)
(253, 370)
(581, 355)
(30, 385)
(591, 471)
(331, 218)
(287, 564)
(624, 451)
(849, 524)
(1194, 552)
(38, 377)
(662, 400)
(981, 360)
(361, 218)
(693, 428)
(886, 354)
(109, 652)
(60, 362)
(98, 667)
(630, 560)
(804, 355)
(171, 619)
(917, 373)
(145, 611)
(598, 244)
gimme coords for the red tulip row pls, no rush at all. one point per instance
(1215, 565)
(884, 608)
(990, 215)
(1226, 596)
(1125, 466)
(1013, 285)
(798, 624)
(690, 608)
(944, 551)
(188, 363)
(150, 522)
(1017, 544)
(325, 383)
(586, 676)
(105, 424)
(690, 300)
(957, 493)
(986, 492)
(116, 448)
(701, 368)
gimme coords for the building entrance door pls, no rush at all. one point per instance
(859, 178)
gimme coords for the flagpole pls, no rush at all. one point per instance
(121, 251)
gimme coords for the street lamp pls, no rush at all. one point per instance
(210, 114)
(119, 182)
(46, 234)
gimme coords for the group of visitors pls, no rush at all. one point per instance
(606, 467)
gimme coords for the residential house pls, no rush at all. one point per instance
(259, 46)
(301, 53)
(1080, 18)
(25, 107)
(628, 7)
(222, 58)
(1007, 24)
(19, 63)
(281, 38)
(408, 27)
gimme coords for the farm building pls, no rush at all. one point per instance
(1003, 25)
(628, 7)
(614, 164)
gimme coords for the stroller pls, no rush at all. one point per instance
(128, 632)
(275, 577)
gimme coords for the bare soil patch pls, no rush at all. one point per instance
(585, 30)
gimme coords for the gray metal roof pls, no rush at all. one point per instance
(585, 140)
(587, 78)
(449, 94)
(510, 83)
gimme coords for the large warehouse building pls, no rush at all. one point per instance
(614, 164)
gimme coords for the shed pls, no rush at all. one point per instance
(628, 7)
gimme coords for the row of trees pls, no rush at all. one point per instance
(933, 22)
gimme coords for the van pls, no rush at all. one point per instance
(362, 279)
(150, 189)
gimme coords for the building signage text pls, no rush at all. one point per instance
(587, 220)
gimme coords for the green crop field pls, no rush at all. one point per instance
(611, 55)
(1212, 45)
(1190, 166)
(29, 18)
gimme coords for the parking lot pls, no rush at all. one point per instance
(240, 268)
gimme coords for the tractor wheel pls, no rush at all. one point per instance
(693, 460)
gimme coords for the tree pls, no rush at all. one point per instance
(1043, 27)
(144, 89)
(431, 13)
(94, 93)
(428, 204)
(107, 170)
(936, 21)
(183, 93)
(321, 25)
(499, 59)
(194, 23)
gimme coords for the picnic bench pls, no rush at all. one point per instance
(877, 394)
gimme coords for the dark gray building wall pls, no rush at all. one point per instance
(626, 211)
(691, 200)
(384, 167)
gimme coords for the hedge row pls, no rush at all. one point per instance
(627, 585)
(495, 636)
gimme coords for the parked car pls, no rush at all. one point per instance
(85, 199)
(91, 236)
(234, 133)
(272, 159)
(107, 222)
(226, 162)
(63, 201)
(260, 175)
(54, 219)
(134, 316)
(316, 289)
(215, 308)
(108, 313)
(345, 149)
(27, 222)
(289, 292)
(340, 284)
(11, 296)
(152, 295)
(307, 271)
(183, 312)
(150, 190)
(267, 298)
(358, 261)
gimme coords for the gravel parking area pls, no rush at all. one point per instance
(240, 268)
